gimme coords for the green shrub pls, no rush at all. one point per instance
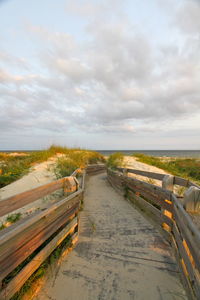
(65, 167)
(115, 160)
(13, 218)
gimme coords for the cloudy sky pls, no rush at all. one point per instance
(101, 74)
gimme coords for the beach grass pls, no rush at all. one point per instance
(115, 160)
(188, 168)
(65, 166)
(14, 167)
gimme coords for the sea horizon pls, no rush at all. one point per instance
(162, 153)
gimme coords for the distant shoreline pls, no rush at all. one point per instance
(161, 153)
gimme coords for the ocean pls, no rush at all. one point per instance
(161, 153)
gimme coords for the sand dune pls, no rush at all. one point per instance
(43, 173)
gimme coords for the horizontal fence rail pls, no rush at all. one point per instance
(26, 244)
(168, 212)
(20, 200)
(95, 169)
(177, 180)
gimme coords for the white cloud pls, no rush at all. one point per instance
(115, 82)
(188, 19)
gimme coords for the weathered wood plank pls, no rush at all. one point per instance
(116, 180)
(20, 254)
(149, 207)
(153, 196)
(195, 233)
(18, 235)
(149, 191)
(158, 176)
(193, 184)
(181, 181)
(155, 213)
(18, 281)
(188, 231)
(166, 194)
(153, 175)
(83, 181)
(77, 171)
(146, 205)
(139, 183)
(116, 185)
(95, 169)
(167, 220)
(17, 201)
(184, 182)
(183, 276)
(193, 276)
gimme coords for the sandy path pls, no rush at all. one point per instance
(119, 256)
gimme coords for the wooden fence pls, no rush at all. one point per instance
(167, 210)
(26, 244)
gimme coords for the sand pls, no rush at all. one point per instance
(39, 174)
(133, 163)
(119, 255)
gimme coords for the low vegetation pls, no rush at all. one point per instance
(76, 159)
(10, 220)
(115, 160)
(13, 218)
(14, 167)
(188, 168)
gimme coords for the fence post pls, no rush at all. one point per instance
(71, 185)
(125, 172)
(167, 184)
(191, 200)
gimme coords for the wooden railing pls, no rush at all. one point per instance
(167, 210)
(28, 242)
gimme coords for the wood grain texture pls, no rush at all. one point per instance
(19, 235)
(192, 273)
(20, 200)
(158, 176)
(184, 279)
(151, 192)
(95, 169)
(144, 173)
(188, 231)
(146, 205)
(10, 262)
(17, 282)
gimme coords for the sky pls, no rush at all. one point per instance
(100, 74)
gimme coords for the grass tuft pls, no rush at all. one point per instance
(115, 160)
